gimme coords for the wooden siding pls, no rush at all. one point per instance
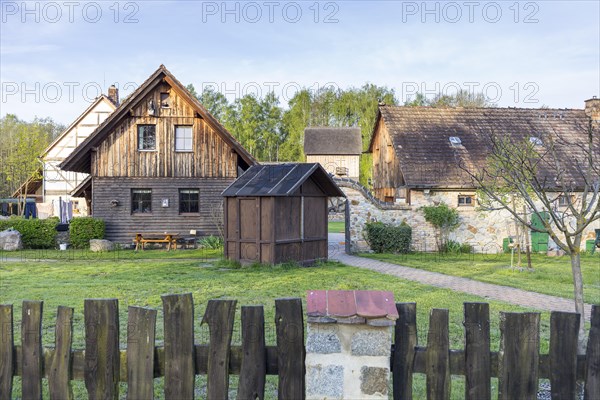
(121, 225)
(118, 154)
(331, 162)
(386, 169)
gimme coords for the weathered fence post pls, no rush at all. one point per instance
(592, 375)
(179, 346)
(31, 350)
(141, 331)
(405, 341)
(254, 356)
(219, 316)
(349, 343)
(478, 366)
(59, 373)
(437, 356)
(518, 359)
(102, 356)
(564, 331)
(7, 357)
(290, 348)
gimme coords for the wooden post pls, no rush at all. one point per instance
(437, 356)
(254, 356)
(141, 330)
(102, 356)
(7, 356)
(290, 348)
(518, 359)
(478, 367)
(179, 346)
(31, 350)
(592, 373)
(219, 316)
(59, 374)
(564, 331)
(404, 350)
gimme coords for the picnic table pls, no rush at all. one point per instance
(169, 238)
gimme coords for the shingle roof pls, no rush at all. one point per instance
(326, 140)
(281, 180)
(420, 137)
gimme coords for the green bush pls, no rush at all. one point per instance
(386, 238)
(452, 246)
(211, 242)
(35, 233)
(82, 229)
(445, 219)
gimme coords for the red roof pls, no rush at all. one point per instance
(349, 303)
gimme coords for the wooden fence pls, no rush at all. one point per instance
(518, 365)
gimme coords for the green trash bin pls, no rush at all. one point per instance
(505, 244)
(589, 246)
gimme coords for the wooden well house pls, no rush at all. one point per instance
(278, 213)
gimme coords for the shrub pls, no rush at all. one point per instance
(211, 242)
(35, 233)
(445, 219)
(82, 229)
(453, 246)
(386, 238)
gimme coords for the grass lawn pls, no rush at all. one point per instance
(140, 280)
(550, 275)
(336, 227)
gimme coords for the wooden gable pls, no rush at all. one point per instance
(386, 169)
(119, 154)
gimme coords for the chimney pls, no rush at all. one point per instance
(113, 95)
(592, 109)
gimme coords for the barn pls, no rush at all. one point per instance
(278, 213)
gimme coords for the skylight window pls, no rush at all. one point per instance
(455, 141)
(536, 141)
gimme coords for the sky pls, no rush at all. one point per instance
(57, 56)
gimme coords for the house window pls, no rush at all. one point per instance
(466, 200)
(183, 138)
(189, 200)
(146, 137)
(165, 101)
(563, 200)
(141, 201)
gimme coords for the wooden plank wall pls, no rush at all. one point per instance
(386, 168)
(121, 225)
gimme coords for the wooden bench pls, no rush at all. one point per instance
(142, 238)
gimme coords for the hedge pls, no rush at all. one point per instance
(386, 238)
(82, 229)
(35, 233)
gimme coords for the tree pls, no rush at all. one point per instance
(462, 98)
(444, 219)
(538, 171)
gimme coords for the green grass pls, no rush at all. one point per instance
(141, 279)
(550, 275)
(336, 227)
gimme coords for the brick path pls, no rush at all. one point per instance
(487, 290)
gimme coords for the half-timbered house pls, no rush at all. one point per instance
(158, 163)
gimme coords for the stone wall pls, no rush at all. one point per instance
(484, 231)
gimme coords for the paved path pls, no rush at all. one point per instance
(487, 290)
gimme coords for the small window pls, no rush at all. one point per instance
(389, 199)
(189, 200)
(563, 200)
(146, 137)
(165, 100)
(466, 200)
(455, 141)
(536, 141)
(183, 138)
(141, 201)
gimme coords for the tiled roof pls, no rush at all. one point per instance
(328, 140)
(420, 137)
(343, 305)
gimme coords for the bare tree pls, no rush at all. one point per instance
(541, 171)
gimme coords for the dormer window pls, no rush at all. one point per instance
(536, 141)
(455, 141)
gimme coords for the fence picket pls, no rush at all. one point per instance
(102, 356)
(254, 356)
(31, 349)
(179, 346)
(437, 357)
(478, 367)
(7, 360)
(290, 348)
(141, 330)
(219, 316)
(519, 356)
(59, 374)
(592, 374)
(564, 331)
(404, 350)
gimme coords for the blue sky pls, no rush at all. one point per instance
(56, 56)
